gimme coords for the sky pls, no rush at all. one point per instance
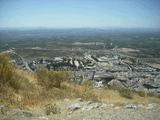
(80, 13)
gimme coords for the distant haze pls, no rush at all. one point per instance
(80, 13)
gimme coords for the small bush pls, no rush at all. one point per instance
(150, 94)
(50, 79)
(52, 109)
(141, 93)
(126, 93)
(86, 91)
(9, 77)
(6, 70)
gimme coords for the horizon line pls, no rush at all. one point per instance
(105, 27)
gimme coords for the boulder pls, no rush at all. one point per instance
(116, 84)
(157, 80)
(130, 106)
(74, 107)
(99, 84)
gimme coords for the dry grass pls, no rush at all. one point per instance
(22, 88)
(87, 92)
(84, 91)
(50, 79)
(27, 75)
(10, 78)
(6, 70)
(126, 93)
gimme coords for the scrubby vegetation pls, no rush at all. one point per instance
(50, 79)
(9, 77)
(18, 87)
(126, 93)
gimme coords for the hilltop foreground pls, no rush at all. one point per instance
(51, 95)
(86, 110)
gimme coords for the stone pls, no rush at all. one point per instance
(99, 84)
(43, 118)
(74, 107)
(117, 107)
(157, 80)
(90, 108)
(52, 109)
(24, 114)
(103, 105)
(130, 106)
(66, 99)
(151, 106)
(96, 105)
(3, 109)
(79, 99)
(89, 102)
(116, 83)
(140, 106)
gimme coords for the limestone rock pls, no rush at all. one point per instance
(116, 83)
(74, 107)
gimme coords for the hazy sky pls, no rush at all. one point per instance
(80, 13)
